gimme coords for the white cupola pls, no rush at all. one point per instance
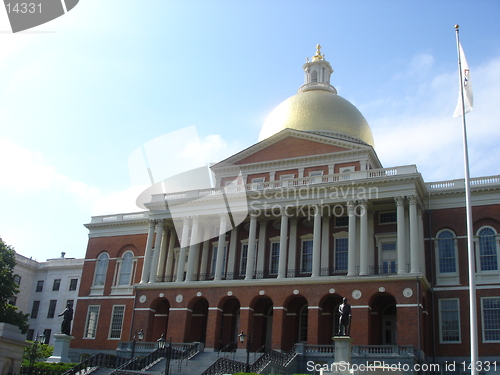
(317, 73)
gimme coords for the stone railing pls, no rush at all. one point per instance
(460, 183)
(120, 217)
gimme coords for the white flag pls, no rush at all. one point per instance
(468, 100)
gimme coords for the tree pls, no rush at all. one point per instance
(8, 288)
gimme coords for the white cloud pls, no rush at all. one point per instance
(419, 128)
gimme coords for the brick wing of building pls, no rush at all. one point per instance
(295, 223)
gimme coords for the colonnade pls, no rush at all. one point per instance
(180, 264)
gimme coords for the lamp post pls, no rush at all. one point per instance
(39, 339)
(140, 336)
(242, 338)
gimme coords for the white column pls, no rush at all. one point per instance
(146, 268)
(169, 272)
(192, 249)
(401, 240)
(251, 247)
(316, 255)
(292, 248)
(414, 253)
(181, 262)
(204, 260)
(363, 239)
(231, 254)
(351, 255)
(220, 247)
(283, 242)
(371, 242)
(163, 255)
(420, 214)
(325, 244)
(156, 254)
(261, 248)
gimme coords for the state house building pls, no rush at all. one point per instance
(299, 220)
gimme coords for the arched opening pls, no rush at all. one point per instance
(197, 325)
(329, 320)
(262, 325)
(295, 322)
(230, 323)
(160, 320)
(384, 320)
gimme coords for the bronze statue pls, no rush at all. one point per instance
(67, 315)
(345, 319)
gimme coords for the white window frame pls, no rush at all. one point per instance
(385, 239)
(111, 329)
(88, 321)
(441, 341)
(243, 244)
(478, 252)
(99, 288)
(483, 320)
(258, 183)
(337, 236)
(349, 169)
(274, 241)
(304, 240)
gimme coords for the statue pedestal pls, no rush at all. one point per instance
(61, 348)
(342, 348)
(341, 366)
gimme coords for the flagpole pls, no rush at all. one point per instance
(470, 243)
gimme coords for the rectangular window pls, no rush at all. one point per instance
(491, 319)
(73, 284)
(52, 308)
(214, 261)
(47, 333)
(115, 331)
(12, 300)
(17, 280)
(56, 285)
(30, 334)
(39, 286)
(341, 248)
(449, 320)
(275, 258)
(244, 259)
(341, 221)
(306, 256)
(34, 309)
(387, 217)
(91, 325)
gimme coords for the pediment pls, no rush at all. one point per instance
(290, 144)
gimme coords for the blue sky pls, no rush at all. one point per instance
(79, 94)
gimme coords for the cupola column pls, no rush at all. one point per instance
(147, 255)
(414, 253)
(283, 242)
(316, 255)
(193, 253)
(181, 261)
(251, 247)
(351, 254)
(401, 242)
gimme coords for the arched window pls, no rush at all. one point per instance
(126, 269)
(488, 252)
(447, 257)
(314, 76)
(100, 269)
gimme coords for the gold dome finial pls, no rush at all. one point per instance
(318, 55)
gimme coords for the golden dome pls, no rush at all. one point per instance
(318, 111)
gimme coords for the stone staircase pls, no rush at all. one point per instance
(199, 363)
